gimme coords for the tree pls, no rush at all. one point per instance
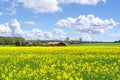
(2, 40)
(67, 39)
(19, 41)
(36, 43)
(33, 43)
(80, 40)
(9, 41)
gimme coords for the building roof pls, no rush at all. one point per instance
(54, 43)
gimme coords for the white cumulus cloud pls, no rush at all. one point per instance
(4, 30)
(47, 35)
(37, 33)
(58, 34)
(88, 24)
(86, 37)
(41, 6)
(13, 28)
(14, 25)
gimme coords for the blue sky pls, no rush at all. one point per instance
(57, 19)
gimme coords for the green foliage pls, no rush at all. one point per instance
(96, 44)
(33, 43)
(6, 41)
(18, 41)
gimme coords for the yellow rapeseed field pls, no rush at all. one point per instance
(60, 63)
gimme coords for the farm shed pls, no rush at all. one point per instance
(56, 43)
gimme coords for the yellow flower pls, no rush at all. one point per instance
(65, 75)
(71, 78)
(81, 78)
(59, 77)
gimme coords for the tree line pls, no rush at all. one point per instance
(18, 41)
(117, 41)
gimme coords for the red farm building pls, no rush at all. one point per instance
(56, 43)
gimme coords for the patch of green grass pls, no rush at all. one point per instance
(95, 44)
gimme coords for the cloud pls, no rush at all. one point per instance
(32, 23)
(53, 35)
(115, 34)
(37, 33)
(4, 30)
(14, 25)
(13, 28)
(86, 37)
(88, 24)
(41, 6)
(82, 2)
(10, 9)
(1, 13)
(58, 34)
(51, 6)
(1, 1)
(47, 35)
